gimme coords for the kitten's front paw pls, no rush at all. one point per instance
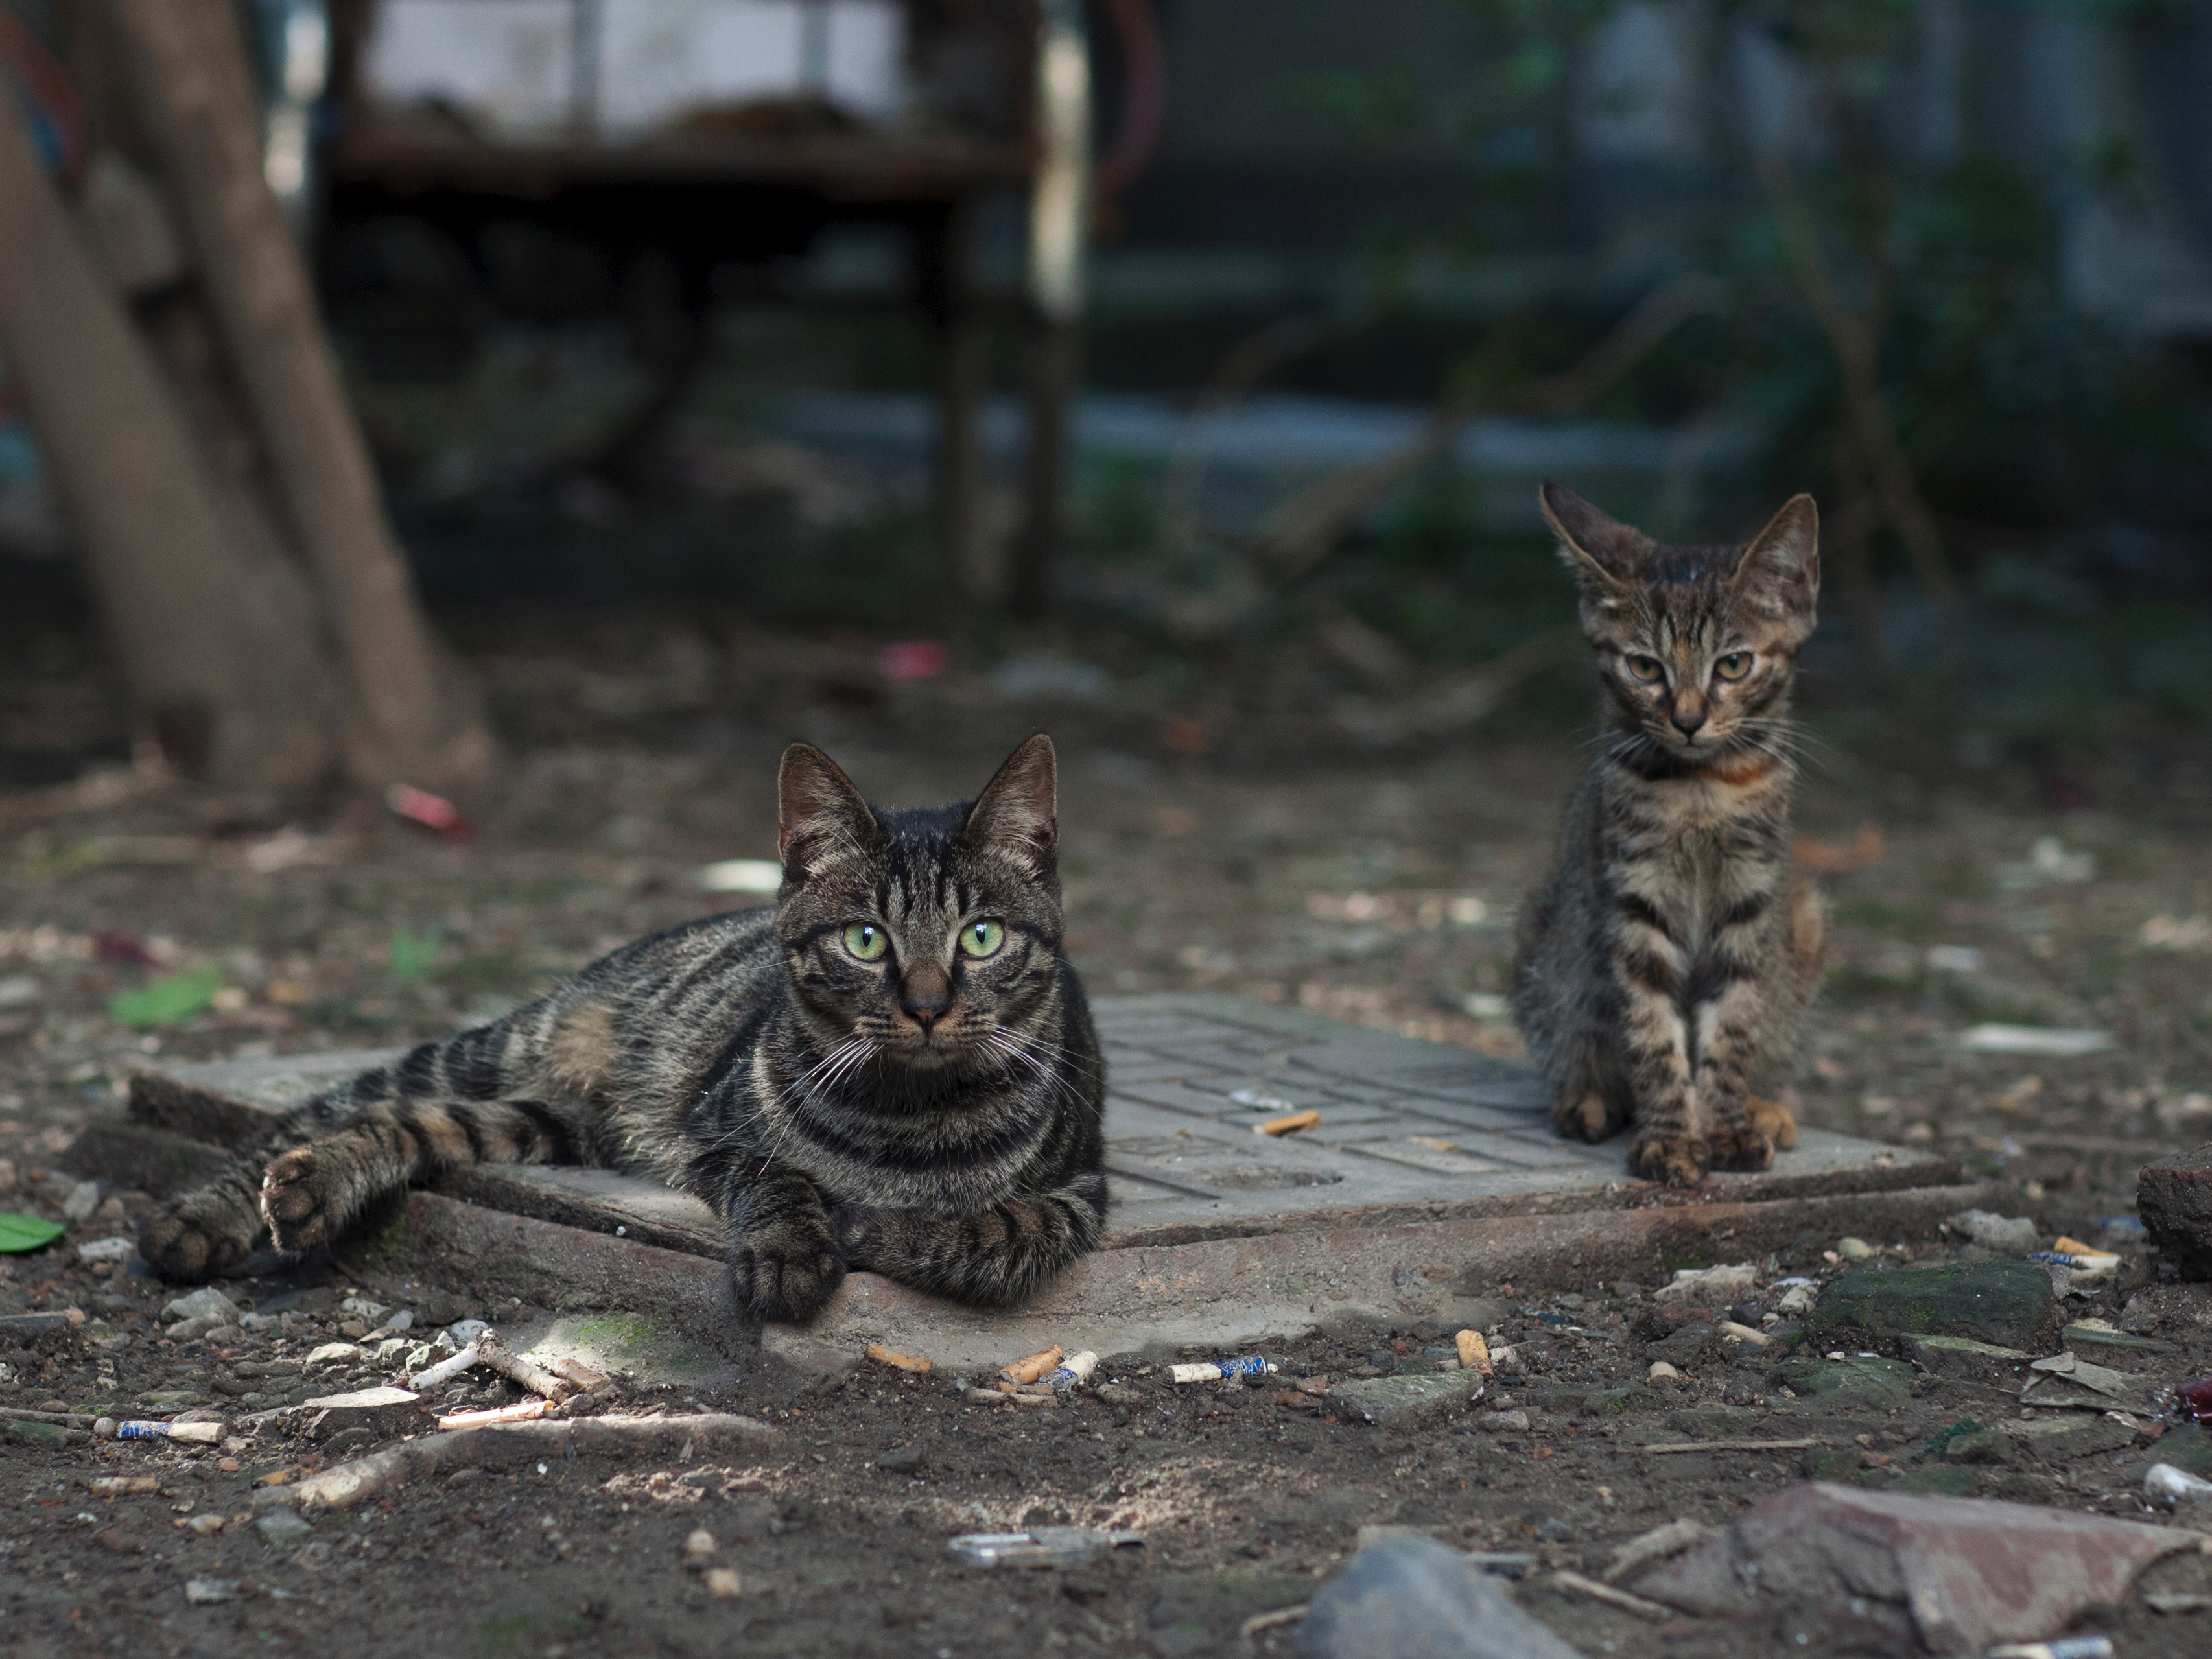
(1774, 1121)
(785, 1271)
(193, 1244)
(1741, 1146)
(1678, 1160)
(295, 1200)
(1587, 1119)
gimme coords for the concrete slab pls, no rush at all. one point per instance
(1432, 1177)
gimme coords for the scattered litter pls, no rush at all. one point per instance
(2063, 1380)
(1029, 1369)
(201, 1591)
(1708, 1286)
(740, 876)
(1290, 1125)
(905, 1362)
(1042, 1546)
(1274, 1620)
(494, 1355)
(2014, 1235)
(117, 1249)
(445, 1370)
(1913, 1573)
(528, 1411)
(1660, 1544)
(127, 1485)
(1474, 1352)
(1662, 1375)
(2195, 1399)
(2071, 1647)
(904, 660)
(198, 1434)
(169, 999)
(1862, 852)
(1216, 1370)
(1415, 1595)
(1611, 1597)
(2163, 1483)
(1260, 1100)
(20, 1234)
(431, 811)
(1075, 1368)
(2055, 1042)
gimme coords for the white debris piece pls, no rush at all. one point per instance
(2053, 1041)
(1703, 1285)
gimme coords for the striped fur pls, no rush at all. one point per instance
(932, 1115)
(1666, 963)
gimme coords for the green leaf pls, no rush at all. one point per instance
(167, 999)
(19, 1233)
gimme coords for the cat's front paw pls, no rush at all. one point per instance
(786, 1270)
(296, 1199)
(1774, 1121)
(1741, 1146)
(1587, 1118)
(191, 1243)
(1678, 1160)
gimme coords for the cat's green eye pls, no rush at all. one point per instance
(1649, 670)
(981, 939)
(866, 941)
(1733, 666)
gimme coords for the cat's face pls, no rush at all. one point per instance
(1698, 646)
(924, 937)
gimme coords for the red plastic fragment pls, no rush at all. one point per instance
(2196, 1398)
(431, 811)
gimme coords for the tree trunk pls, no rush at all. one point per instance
(221, 664)
(415, 718)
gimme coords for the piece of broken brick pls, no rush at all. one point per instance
(2173, 1197)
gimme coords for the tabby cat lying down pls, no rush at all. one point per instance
(893, 1069)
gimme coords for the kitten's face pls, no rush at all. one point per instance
(1697, 644)
(924, 937)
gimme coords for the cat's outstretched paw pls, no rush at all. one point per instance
(295, 1198)
(1740, 1146)
(786, 1270)
(1774, 1121)
(1678, 1160)
(192, 1243)
(1585, 1119)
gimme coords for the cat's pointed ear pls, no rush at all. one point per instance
(1598, 548)
(819, 816)
(1780, 570)
(1018, 811)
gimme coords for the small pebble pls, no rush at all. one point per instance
(721, 1583)
(1854, 1249)
(699, 1546)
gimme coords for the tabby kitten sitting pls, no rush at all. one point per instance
(1663, 967)
(893, 1069)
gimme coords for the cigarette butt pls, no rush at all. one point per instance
(905, 1362)
(984, 1397)
(121, 1485)
(722, 1582)
(575, 1371)
(699, 1546)
(1036, 1365)
(1283, 1126)
(201, 1434)
(1474, 1352)
(528, 1412)
(1216, 1370)
(1074, 1368)
(2068, 1245)
(446, 1369)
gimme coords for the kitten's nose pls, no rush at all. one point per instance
(1689, 715)
(925, 996)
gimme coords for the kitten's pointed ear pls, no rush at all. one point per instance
(1018, 811)
(1598, 548)
(819, 816)
(1780, 570)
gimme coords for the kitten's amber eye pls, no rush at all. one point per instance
(981, 939)
(1733, 666)
(1649, 670)
(866, 941)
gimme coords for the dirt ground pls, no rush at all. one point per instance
(1206, 844)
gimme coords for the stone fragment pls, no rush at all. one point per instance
(1404, 1402)
(2096, 1337)
(207, 1303)
(2008, 1304)
(2173, 1197)
(2065, 1380)
(338, 1353)
(1412, 1598)
(1660, 1544)
(1900, 1573)
(2009, 1235)
(1708, 1287)
(1663, 1375)
(384, 1411)
(1688, 1345)
(1961, 1356)
(2058, 1440)
(33, 1330)
(902, 1460)
(1861, 1379)
(1854, 1249)
(282, 1527)
(2188, 1448)
(1510, 1422)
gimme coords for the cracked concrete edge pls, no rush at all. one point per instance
(1221, 1293)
